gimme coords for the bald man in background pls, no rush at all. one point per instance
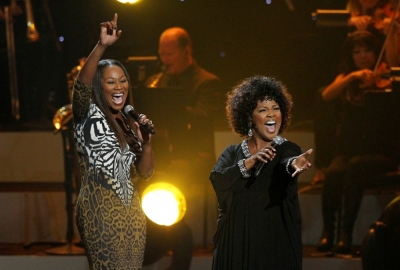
(204, 96)
(193, 154)
(180, 70)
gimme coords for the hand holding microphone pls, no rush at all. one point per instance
(128, 110)
(276, 141)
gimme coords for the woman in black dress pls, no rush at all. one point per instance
(259, 225)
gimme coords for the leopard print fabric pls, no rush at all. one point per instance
(109, 217)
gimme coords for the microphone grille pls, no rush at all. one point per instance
(127, 109)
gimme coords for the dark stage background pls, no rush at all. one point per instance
(232, 38)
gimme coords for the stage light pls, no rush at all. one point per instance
(129, 1)
(62, 116)
(163, 203)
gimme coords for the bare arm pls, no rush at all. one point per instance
(83, 86)
(145, 166)
(108, 35)
(337, 87)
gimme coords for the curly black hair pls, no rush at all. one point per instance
(243, 98)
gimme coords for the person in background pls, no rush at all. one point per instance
(259, 225)
(203, 90)
(362, 13)
(109, 216)
(375, 17)
(364, 144)
(381, 18)
(392, 48)
(191, 153)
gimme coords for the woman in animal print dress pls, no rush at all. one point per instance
(111, 145)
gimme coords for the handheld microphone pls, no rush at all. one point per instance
(128, 110)
(276, 141)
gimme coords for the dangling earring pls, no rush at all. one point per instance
(250, 133)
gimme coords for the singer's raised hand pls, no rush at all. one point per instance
(301, 164)
(109, 32)
(108, 35)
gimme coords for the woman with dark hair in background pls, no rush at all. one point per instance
(259, 224)
(364, 148)
(110, 219)
(364, 15)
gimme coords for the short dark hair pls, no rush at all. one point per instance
(357, 38)
(243, 98)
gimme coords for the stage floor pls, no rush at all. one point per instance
(35, 256)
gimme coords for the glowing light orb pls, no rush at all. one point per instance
(163, 203)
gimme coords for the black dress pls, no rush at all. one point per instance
(259, 224)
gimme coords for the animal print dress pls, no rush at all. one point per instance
(109, 217)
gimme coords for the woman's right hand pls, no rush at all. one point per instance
(108, 31)
(264, 155)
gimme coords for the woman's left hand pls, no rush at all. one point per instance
(143, 135)
(301, 164)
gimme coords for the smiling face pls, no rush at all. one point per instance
(115, 87)
(267, 120)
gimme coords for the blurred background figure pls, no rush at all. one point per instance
(204, 96)
(187, 130)
(362, 13)
(360, 156)
(193, 107)
(375, 17)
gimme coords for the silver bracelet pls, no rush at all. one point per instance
(243, 169)
(289, 163)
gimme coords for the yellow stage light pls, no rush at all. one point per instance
(163, 203)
